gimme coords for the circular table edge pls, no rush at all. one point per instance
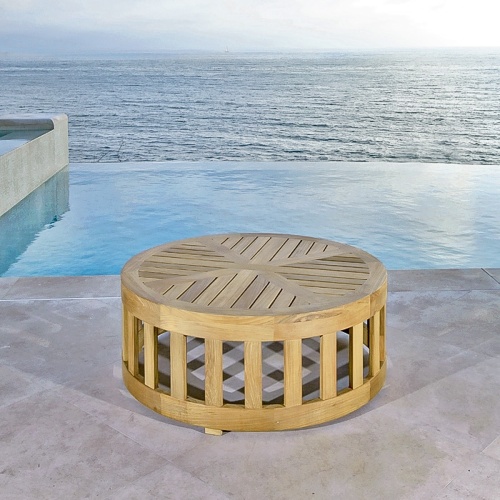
(131, 283)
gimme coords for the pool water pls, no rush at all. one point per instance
(12, 139)
(410, 216)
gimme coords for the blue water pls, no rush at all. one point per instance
(232, 113)
(425, 106)
(410, 216)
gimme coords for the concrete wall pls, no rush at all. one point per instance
(20, 225)
(32, 149)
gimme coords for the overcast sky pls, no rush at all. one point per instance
(72, 26)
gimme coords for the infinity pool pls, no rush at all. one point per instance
(92, 219)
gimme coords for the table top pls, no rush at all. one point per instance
(254, 274)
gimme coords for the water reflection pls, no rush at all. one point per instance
(411, 216)
(20, 226)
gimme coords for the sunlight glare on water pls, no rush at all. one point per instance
(410, 216)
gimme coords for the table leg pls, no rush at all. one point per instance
(213, 432)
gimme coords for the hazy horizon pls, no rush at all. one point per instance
(57, 27)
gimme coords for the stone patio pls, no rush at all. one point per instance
(71, 430)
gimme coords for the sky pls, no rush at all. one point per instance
(89, 26)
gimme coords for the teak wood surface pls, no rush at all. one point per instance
(253, 288)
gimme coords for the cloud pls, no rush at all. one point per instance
(245, 25)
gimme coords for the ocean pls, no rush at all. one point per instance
(399, 106)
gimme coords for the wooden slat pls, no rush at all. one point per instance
(178, 289)
(382, 334)
(181, 265)
(322, 276)
(196, 289)
(127, 328)
(346, 258)
(253, 374)
(297, 301)
(162, 286)
(302, 249)
(293, 287)
(185, 250)
(220, 238)
(356, 356)
(328, 366)
(317, 248)
(214, 395)
(187, 244)
(324, 266)
(187, 261)
(255, 247)
(283, 300)
(267, 297)
(250, 295)
(319, 260)
(150, 356)
(316, 274)
(374, 332)
(328, 291)
(172, 256)
(287, 249)
(320, 283)
(233, 291)
(292, 372)
(270, 250)
(133, 347)
(214, 289)
(170, 269)
(163, 274)
(232, 240)
(178, 365)
(243, 244)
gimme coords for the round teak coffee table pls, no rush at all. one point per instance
(246, 332)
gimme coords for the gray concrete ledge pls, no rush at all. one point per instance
(28, 122)
(444, 279)
(64, 287)
(81, 287)
(32, 149)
